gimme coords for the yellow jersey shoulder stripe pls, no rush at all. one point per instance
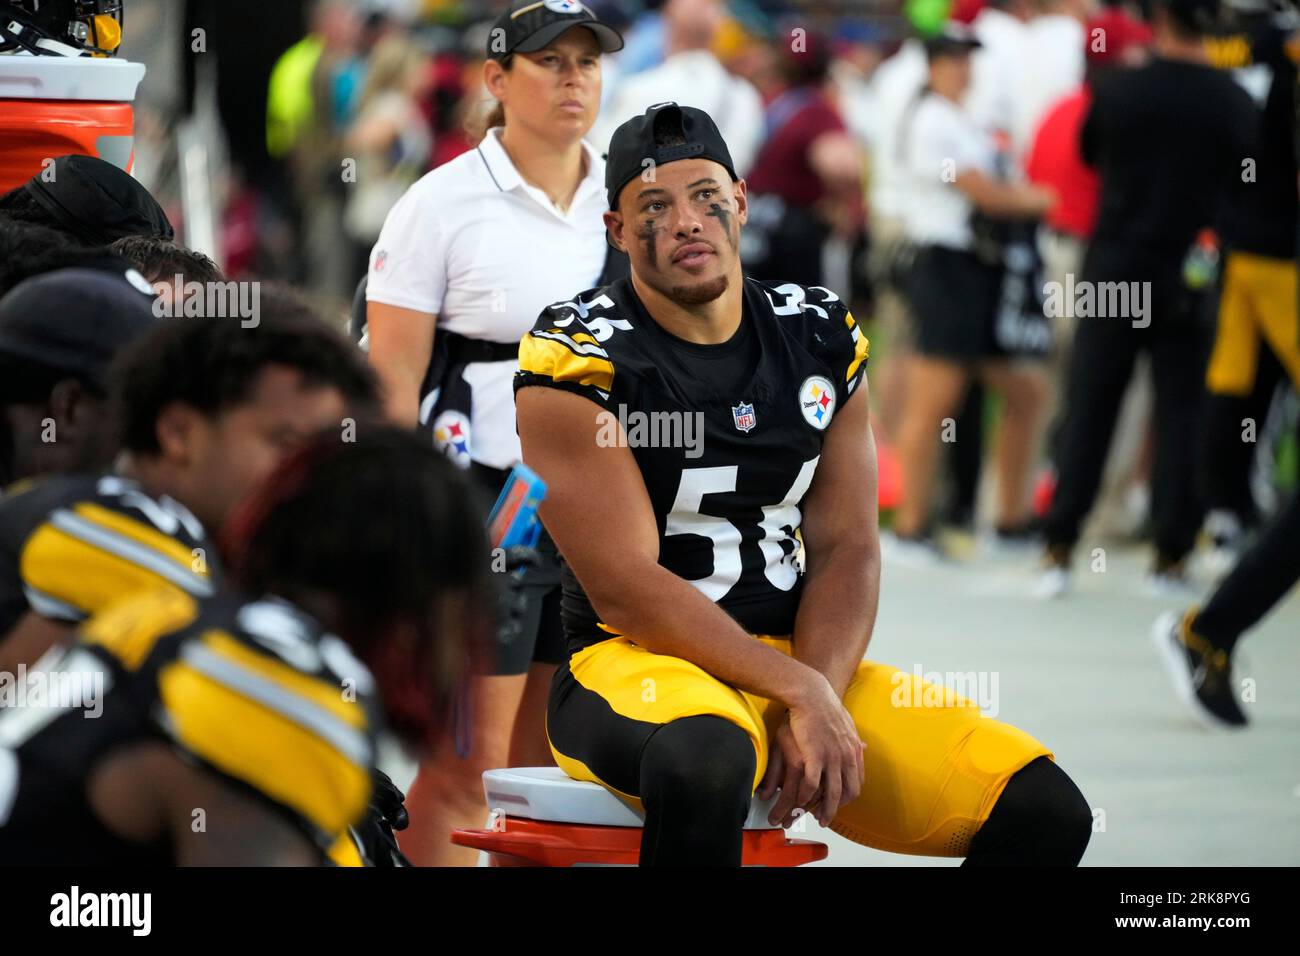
(861, 346)
(94, 531)
(561, 358)
(214, 661)
(285, 747)
(140, 532)
(67, 577)
(288, 679)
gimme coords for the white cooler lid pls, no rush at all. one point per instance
(105, 79)
(548, 793)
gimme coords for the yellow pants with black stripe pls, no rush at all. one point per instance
(1257, 306)
(934, 767)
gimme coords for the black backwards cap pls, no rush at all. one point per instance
(94, 199)
(634, 142)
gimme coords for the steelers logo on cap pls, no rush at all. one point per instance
(817, 401)
(563, 6)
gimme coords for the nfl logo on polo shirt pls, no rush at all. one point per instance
(743, 416)
(817, 401)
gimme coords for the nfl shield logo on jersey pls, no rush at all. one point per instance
(744, 416)
(817, 400)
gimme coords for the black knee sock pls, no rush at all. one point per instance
(696, 780)
(1041, 819)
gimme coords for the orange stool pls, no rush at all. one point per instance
(543, 817)
(53, 106)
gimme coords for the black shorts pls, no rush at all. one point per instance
(540, 638)
(954, 299)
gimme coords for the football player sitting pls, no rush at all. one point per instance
(699, 430)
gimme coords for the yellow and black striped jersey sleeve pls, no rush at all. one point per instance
(300, 742)
(857, 359)
(69, 547)
(258, 693)
(564, 350)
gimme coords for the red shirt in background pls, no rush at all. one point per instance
(1054, 160)
(782, 166)
(1121, 33)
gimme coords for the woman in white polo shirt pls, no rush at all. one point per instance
(476, 249)
(956, 290)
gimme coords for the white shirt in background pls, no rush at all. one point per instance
(483, 250)
(1053, 66)
(996, 69)
(691, 78)
(942, 143)
(896, 83)
(857, 99)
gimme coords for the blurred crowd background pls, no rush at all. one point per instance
(311, 117)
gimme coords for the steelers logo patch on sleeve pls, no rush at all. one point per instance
(817, 401)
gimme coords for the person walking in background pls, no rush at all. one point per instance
(955, 292)
(1197, 644)
(691, 75)
(1257, 340)
(1168, 140)
(475, 250)
(1054, 159)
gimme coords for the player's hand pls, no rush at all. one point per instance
(821, 757)
(781, 753)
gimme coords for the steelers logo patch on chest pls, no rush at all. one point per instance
(817, 400)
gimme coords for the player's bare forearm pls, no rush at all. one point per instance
(840, 529)
(837, 613)
(667, 615)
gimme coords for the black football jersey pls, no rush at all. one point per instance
(726, 468)
(253, 690)
(72, 544)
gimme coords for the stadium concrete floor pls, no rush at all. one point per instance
(1081, 674)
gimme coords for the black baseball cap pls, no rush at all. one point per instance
(634, 142)
(526, 27)
(97, 201)
(953, 39)
(74, 320)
